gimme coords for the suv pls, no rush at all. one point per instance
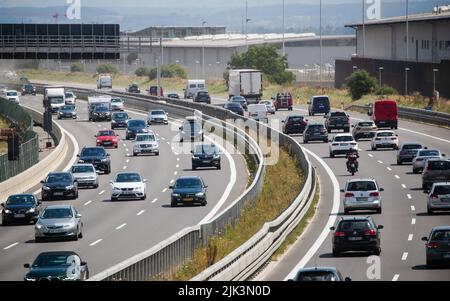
(385, 139)
(421, 157)
(202, 96)
(314, 132)
(97, 156)
(364, 129)
(435, 170)
(438, 246)
(319, 274)
(337, 121)
(407, 151)
(342, 144)
(362, 194)
(205, 155)
(145, 144)
(294, 124)
(28, 89)
(319, 104)
(191, 129)
(100, 113)
(439, 197)
(356, 234)
(153, 91)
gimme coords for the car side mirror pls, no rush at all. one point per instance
(348, 279)
(380, 227)
(424, 238)
(39, 202)
(111, 182)
(443, 155)
(282, 121)
(192, 151)
(3, 205)
(42, 182)
(145, 180)
(108, 155)
(83, 263)
(342, 190)
(206, 186)
(78, 215)
(26, 265)
(426, 191)
(381, 189)
(170, 187)
(78, 156)
(75, 181)
(332, 228)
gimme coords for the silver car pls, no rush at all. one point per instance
(422, 156)
(85, 174)
(157, 116)
(117, 104)
(439, 197)
(58, 221)
(362, 194)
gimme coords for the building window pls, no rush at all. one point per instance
(447, 45)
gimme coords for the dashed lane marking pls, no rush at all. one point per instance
(121, 226)
(95, 242)
(10, 246)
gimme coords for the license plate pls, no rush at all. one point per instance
(344, 144)
(340, 124)
(106, 143)
(58, 193)
(188, 199)
(127, 192)
(446, 200)
(55, 231)
(19, 215)
(355, 238)
(362, 199)
(206, 161)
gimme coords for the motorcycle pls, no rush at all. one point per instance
(351, 168)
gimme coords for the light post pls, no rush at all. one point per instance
(434, 79)
(284, 50)
(406, 80)
(321, 59)
(407, 30)
(196, 68)
(380, 69)
(218, 69)
(203, 49)
(246, 25)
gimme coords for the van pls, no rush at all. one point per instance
(283, 101)
(193, 85)
(258, 112)
(104, 81)
(319, 104)
(153, 90)
(384, 113)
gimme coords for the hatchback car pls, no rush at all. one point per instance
(146, 144)
(362, 194)
(422, 156)
(67, 111)
(134, 127)
(435, 170)
(315, 132)
(128, 185)
(205, 155)
(407, 151)
(188, 190)
(294, 124)
(57, 265)
(97, 156)
(439, 197)
(58, 221)
(117, 104)
(364, 129)
(59, 185)
(85, 175)
(23, 208)
(202, 96)
(119, 120)
(385, 139)
(356, 234)
(157, 116)
(191, 129)
(438, 246)
(234, 107)
(342, 144)
(319, 274)
(269, 105)
(70, 98)
(107, 138)
(12, 95)
(240, 100)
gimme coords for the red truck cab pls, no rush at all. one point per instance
(283, 101)
(384, 113)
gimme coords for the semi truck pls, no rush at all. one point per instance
(54, 98)
(246, 83)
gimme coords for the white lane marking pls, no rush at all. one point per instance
(171, 181)
(164, 190)
(162, 138)
(128, 154)
(331, 220)
(397, 177)
(370, 155)
(154, 201)
(127, 150)
(175, 173)
(403, 186)
(124, 145)
(413, 221)
(178, 159)
(168, 143)
(121, 226)
(87, 203)
(101, 192)
(388, 168)
(10, 246)
(410, 237)
(409, 196)
(413, 208)
(140, 212)
(177, 166)
(379, 161)
(404, 256)
(95, 242)
(395, 277)
(127, 161)
(124, 167)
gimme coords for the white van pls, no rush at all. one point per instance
(258, 112)
(194, 85)
(104, 81)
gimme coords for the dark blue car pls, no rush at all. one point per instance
(234, 107)
(20, 208)
(134, 127)
(188, 190)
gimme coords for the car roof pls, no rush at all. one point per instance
(441, 183)
(317, 96)
(409, 143)
(83, 164)
(343, 134)
(59, 173)
(58, 253)
(385, 131)
(355, 218)
(101, 147)
(310, 269)
(60, 206)
(361, 180)
(129, 173)
(22, 194)
(189, 177)
(315, 123)
(441, 228)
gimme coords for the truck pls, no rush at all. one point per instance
(54, 98)
(192, 86)
(95, 113)
(283, 101)
(104, 81)
(384, 113)
(246, 83)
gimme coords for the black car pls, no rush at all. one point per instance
(59, 185)
(100, 113)
(67, 111)
(337, 121)
(356, 234)
(294, 124)
(173, 95)
(205, 155)
(315, 132)
(188, 190)
(20, 208)
(133, 88)
(318, 104)
(28, 89)
(202, 96)
(234, 107)
(319, 274)
(57, 266)
(119, 120)
(134, 127)
(97, 156)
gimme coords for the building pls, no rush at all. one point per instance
(171, 32)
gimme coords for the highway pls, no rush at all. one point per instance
(116, 231)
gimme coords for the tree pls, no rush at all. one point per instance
(142, 71)
(132, 57)
(107, 68)
(360, 83)
(152, 74)
(77, 67)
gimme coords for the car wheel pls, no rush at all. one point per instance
(173, 204)
(75, 237)
(374, 148)
(305, 141)
(181, 140)
(204, 203)
(331, 155)
(415, 170)
(218, 167)
(134, 154)
(326, 141)
(113, 199)
(347, 130)
(336, 253)
(4, 223)
(377, 251)
(80, 235)
(108, 171)
(399, 162)
(194, 167)
(37, 239)
(429, 211)
(96, 185)
(157, 154)
(144, 197)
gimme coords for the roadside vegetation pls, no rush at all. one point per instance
(4, 124)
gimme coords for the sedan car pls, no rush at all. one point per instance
(117, 104)
(101, 113)
(145, 144)
(435, 170)
(119, 120)
(70, 98)
(157, 116)
(240, 100)
(191, 130)
(438, 246)
(28, 89)
(269, 105)
(319, 274)
(57, 265)
(67, 111)
(134, 127)
(407, 151)
(85, 175)
(12, 95)
(58, 221)
(422, 156)
(362, 194)
(439, 197)
(133, 88)
(294, 124)
(385, 139)
(364, 129)
(128, 185)
(59, 185)
(97, 156)
(202, 96)
(342, 144)
(315, 132)
(188, 190)
(205, 155)
(20, 208)
(173, 95)
(107, 138)
(234, 107)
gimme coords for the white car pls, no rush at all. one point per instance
(342, 144)
(12, 95)
(362, 194)
(439, 197)
(146, 144)
(269, 105)
(157, 116)
(422, 156)
(385, 139)
(117, 104)
(128, 185)
(70, 98)
(258, 112)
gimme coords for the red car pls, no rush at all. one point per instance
(107, 138)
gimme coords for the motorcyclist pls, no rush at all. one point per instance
(352, 157)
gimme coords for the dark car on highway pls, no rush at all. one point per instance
(101, 113)
(133, 88)
(134, 127)
(59, 185)
(356, 234)
(294, 124)
(435, 170)
(407, 151)
(20, 208)
(234, 107)
(173, 95)
(97, 156)
(28, 89)
(188, 190)
(315, 132)
(202, 96)
(438, 246)
(205, 155)
(119, 120)
(319, 274)
(337, 121)
(67, 111)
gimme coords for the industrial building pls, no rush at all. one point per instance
(171, 32)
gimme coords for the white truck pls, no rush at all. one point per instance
(99, 101)
(104, 81)
(193, 86)
(246, 83)
(54, 98)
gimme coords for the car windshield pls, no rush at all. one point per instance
(295, 119)
(67, 108)
(29, 87)
(343, 138)
(202, 94)
(233, 105)
(441, 189)
(316, 276)
(136, 123)
(365, 124)
(439, 165)
(412, 146)
(52, 260)
(69, 95)
(140, 138)
(315, 127)
(94, 151)
(338, 114)
(238, 99)
(354, 226)
(321, 100)
(428, 153)
(61, 177)
(188, 183)
(441, 235)
(361, 186)
(57, 213)
(191, 126)
(120, 116)
(128, 177)
(56, 100)
(101, 109)
(11, 93)
(106, 133)
(21, 200)
(158, 113)
(205, 149)
(385, 134)
(116, 100)
(83, 169)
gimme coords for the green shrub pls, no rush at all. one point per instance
(172, 71)
(131, 58)
(386, 90)
(142, 71)
(360, 83)
(77, 67)
(107, 68)
(152, 73)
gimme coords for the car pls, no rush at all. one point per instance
(205, 155)
(294, 124)
(67, 111)
(269, 105)
(337, 121)
(342, 144)
(385, 139)
(59, 184)
(157, 116)
(12, 95)
(240, 100)
(20, 208)
(97, 156)
(202, 96)
(422, 156)
(319, 104)
(58, 221)
(315, 132)
(3, 89)
(362, 194)
(119, 120)
(101, 113)
(283, 100)
(128, 185)
(133, 88)
(234, 107)
(319, 274)
(407, 151)
(173, 95)
(28, 89)
(364, 129)
(85, 175)
(145, 144)
(117, 104)
(188, 190)
(153, 90)
(435, 170)
(71, 98)
(134, 127)
(439, 197)
(438, 246)
(258, 112)
(191, 129)
(107, 138)
(57, 265)
(356, 234)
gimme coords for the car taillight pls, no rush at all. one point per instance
(349, 195)
(339, 234)
(374, 194)
(434, 196)
(358, 128)
(370, 233)
(433, 245)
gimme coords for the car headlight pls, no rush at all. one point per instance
(30, 279)
(31, 210)
(7, 211)
(68, 226)
(200, 194)
(216, 156)
(46, 188)
(104, 160)
(116, 188)
(80, 161)
(176, 195)
(139, 188)
(39, 226)
(69, 187)
(196, 158)
(98, 141)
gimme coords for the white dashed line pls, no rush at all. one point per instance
(121, 226)
(175, 173)
(379, 161)
(178, 159)
(140, 212)
(413, 221)
(127, 150)
(370, 155)
(395, 277)
(128, 154)
(397, 177)
(164, 190)
(101, 192)
(388, 168)
(124, 145)
(168, 143)
(162, 138)
(409, 196)
(10, 246)
(404, 186)
(177, 166)
(87, 203)
(410, 237)
(154, 201)
(413, 208)
(95, 242)
(124, 167)
(127, 161)
(171, 181)
(404, 256)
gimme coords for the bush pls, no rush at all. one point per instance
(131, 58)
(360, 83)
(281, 78)
(386, 90)
(173, 70)
(142, 71)
(77, 67)
(27, 64)
(107, 68)
(152, 74)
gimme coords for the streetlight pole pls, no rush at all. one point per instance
(364, 27)
(203, 49)
(407, 30)
(434, 79)
(406, 80)
(380, 69)
(321, 58)
(284, 49)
